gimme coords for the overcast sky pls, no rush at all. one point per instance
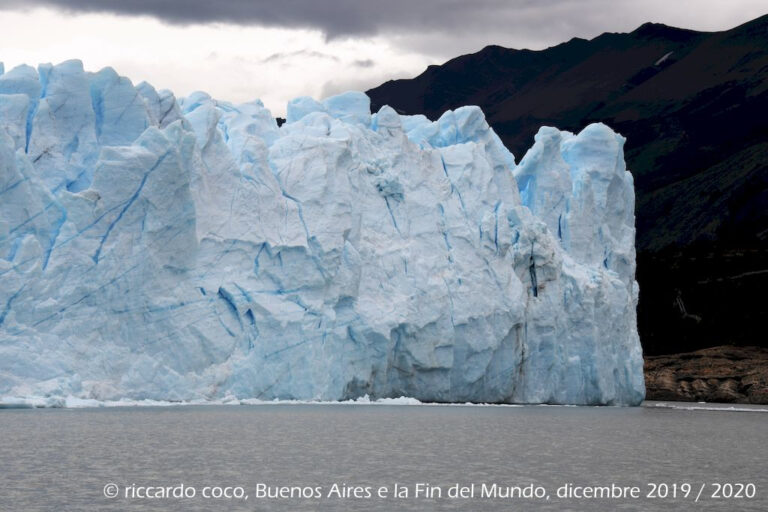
(239, 50)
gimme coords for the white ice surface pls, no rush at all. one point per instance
(191, 250)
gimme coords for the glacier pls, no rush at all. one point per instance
(180, 249)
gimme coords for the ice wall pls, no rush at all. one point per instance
(191, 249)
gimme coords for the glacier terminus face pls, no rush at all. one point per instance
(191, 249)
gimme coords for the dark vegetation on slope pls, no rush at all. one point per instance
(694, 109)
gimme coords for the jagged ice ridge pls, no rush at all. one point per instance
(155, 248)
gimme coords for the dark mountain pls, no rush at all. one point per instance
(694, 109)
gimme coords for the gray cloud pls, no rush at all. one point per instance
(281, 56)
(335, 18)
(435, 27)
(364, 63)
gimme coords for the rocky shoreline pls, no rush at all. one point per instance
(718, 374)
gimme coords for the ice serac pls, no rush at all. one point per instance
(178, 250)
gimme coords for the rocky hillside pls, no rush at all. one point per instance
(719, 374)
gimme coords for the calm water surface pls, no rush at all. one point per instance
(62, 459)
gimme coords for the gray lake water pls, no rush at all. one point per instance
(62, 459)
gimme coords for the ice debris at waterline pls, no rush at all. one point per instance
(164, 249)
